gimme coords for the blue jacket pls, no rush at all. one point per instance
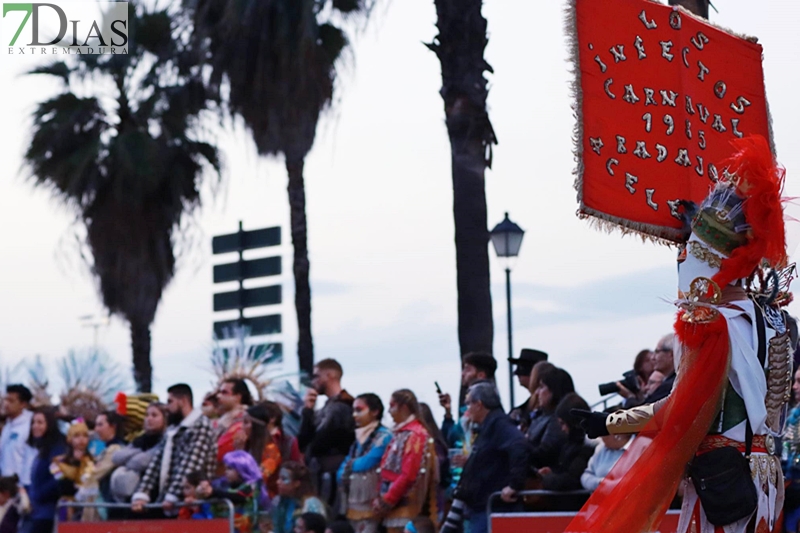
(43, 491)
(372, 459)
(454, 432)
(499, 459)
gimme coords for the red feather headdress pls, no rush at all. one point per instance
(759, 181)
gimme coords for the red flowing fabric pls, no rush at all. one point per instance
(637, 492)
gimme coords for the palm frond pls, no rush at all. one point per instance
(284, 394)
(91, 374)
(65, 147)
(153, 32)
(348, 6)
(278, 60)
(332, 41)
(58, 68)
(38, 382)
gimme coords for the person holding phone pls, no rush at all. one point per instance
(476, 367)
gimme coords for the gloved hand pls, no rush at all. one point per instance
(593, 423)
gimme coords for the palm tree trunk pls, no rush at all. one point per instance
(142, 370)
(459, 46)
(698, 7)
(302, 287)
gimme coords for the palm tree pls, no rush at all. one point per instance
(698, 7)
(277, 58)
(121, 144)
(459, 47)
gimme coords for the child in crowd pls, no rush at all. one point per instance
(245, 490)
(13, 504)
(210, 405)
(190, 486)
(73, 470)
(309, 523)
(295, 497)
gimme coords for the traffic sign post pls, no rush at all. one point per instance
(248, 269)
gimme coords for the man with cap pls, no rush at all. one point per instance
(527, 358)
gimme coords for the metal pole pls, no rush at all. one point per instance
(241, 275)
(510, 346)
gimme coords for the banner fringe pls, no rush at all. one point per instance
(571, 30)
(647, 232)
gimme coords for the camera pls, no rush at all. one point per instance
(628, 380)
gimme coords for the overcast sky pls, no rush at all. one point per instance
(379, 204)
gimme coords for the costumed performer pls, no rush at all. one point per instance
(734, 361)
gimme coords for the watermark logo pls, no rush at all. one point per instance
(64, 27)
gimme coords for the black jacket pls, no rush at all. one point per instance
(328, 432)
(662, 391)
(499, 459)
(521, 415)
(572, 461)
(546, 439)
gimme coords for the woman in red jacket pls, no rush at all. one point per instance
(408, 473)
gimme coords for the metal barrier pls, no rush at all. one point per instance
(604, 401)
(214, 525)
(551, 522)
(521, 494)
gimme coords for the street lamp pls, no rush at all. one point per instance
(507, 240)
(94, 321)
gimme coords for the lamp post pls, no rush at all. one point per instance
(94, 321)
(507, 240)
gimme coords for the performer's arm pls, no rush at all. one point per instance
(634, 420)
(623, 421)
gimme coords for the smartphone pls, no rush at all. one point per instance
(438, 388)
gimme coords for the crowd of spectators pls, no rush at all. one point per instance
(344, 470)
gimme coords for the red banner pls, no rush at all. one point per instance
(660, 95)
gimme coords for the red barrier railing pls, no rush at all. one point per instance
(551, 522)
(213, 525)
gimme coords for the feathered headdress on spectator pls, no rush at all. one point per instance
(134, 408)
(91, 380)
(237, 356)
(38, 383)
